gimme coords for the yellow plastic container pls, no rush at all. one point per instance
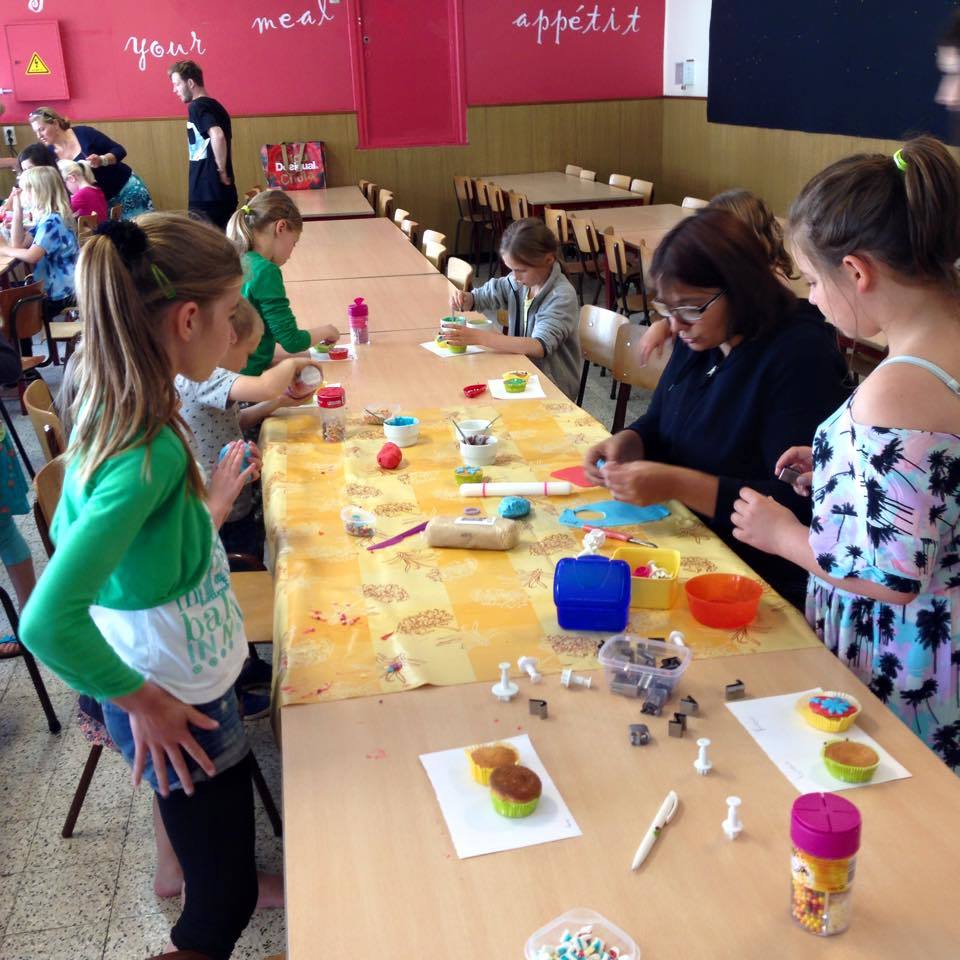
(645, 591)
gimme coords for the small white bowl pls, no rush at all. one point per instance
(403, 436)
(479, 456)
(470, 427)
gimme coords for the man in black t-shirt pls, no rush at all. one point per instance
(212, 190)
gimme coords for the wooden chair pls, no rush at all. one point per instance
(598, 340)
(371, 193)
(644, 188)
(86, 224)
(558, 223)
(588, 250)
(619, 180)
(622, 277)
(460, 274)
(116, 211)
(399, 215)
(629, 371)
(465, 189)
(363, 184)
(498, 223)
(43, 416)
(694, 203)
(431, 236)
(66, 331)
(519, 206)
(385, 204)
(411, 230)
(588, 174)
(253, 191)
(436, 253)
(572, 170)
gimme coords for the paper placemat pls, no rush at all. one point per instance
(533, 392)
(326, 358)
(445, 353)
(794, 746)
(475, 827)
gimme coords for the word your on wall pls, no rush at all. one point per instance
(142, 47)
(581, 21)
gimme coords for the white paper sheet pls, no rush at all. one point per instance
(794, 746)
(326, 358)
(533, 392)
(475, 827)
(445, 353)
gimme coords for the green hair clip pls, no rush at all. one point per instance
(900, 160)
(163, 282)
(246, 209)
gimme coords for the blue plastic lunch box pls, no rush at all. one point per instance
(592, 593)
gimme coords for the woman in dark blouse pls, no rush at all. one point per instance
(118, 182)
(753, 372)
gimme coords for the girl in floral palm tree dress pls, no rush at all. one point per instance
(877, 237)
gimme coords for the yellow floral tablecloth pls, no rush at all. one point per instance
(349, 622)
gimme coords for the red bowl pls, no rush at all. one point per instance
(723, 600)
(338, 353)
(474, 390)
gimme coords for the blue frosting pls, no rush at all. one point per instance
(513, 507)
(400, 421)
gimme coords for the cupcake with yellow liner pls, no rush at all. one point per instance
(831, 711)
(515, 791)
(850, 761)
(486, 757)
(523, 375)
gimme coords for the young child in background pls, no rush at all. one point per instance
(543, 312)
(135, 606)
(50, 245)
(86, 198)
(755, 213)
(265, 230)
(878, 237)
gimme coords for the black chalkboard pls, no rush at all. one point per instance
(856, 67)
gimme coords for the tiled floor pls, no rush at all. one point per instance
(91, 897)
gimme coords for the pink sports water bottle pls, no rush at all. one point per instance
(357, 314)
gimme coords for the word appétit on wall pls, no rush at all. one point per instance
(582, 21)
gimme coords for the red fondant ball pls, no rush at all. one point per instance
(389, 456)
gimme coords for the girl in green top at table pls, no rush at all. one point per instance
(135, 606)
(265, 230)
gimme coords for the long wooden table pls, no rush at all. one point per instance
(341, 249)
(637, 225)
(369, 861)
(395, 303)
(557, 189)
(332, 203)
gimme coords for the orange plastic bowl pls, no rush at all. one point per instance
(723, 599)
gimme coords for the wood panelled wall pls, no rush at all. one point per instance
(610, 137)
(668, 141)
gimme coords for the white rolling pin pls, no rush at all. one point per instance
(547, 488)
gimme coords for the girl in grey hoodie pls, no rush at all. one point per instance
(544, 316)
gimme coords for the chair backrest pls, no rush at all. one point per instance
(436, 253)
(616, 253)
(644, 188)
(627, 365)
(460, 274)
(363, 184)
(116, 211)
(431, 236)
(371, 192)
(481, 201)
(39, 403)
(519, 205)
(588, 174)
(694, 203)
(49, 485)
(86, 224)
(399, 215)
(556, 220)
(495, 200)
(411, 228)
(598, 334)
(585, 236)
(572, 170)
(385, 204)
(466, 195)
(253, 191)
(619, 180)
(21, 311)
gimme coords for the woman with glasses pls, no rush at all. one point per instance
(753, 372)
(66, 142)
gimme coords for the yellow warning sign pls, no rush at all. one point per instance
(36, 66)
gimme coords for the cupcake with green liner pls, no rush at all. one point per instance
(515, 385)
(515, 791)
(850, 761)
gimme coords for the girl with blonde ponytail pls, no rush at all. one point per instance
(265, 229)
(135, 607)
(878, 238)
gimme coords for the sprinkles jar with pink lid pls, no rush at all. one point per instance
(357, 317)
(825, 838)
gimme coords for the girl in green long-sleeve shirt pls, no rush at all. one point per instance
(265, 230)
(135, 606)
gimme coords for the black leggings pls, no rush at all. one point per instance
(213, 835)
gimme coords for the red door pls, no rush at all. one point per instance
(408, 75)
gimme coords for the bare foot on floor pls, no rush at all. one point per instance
(168, 883)
(271, 890)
